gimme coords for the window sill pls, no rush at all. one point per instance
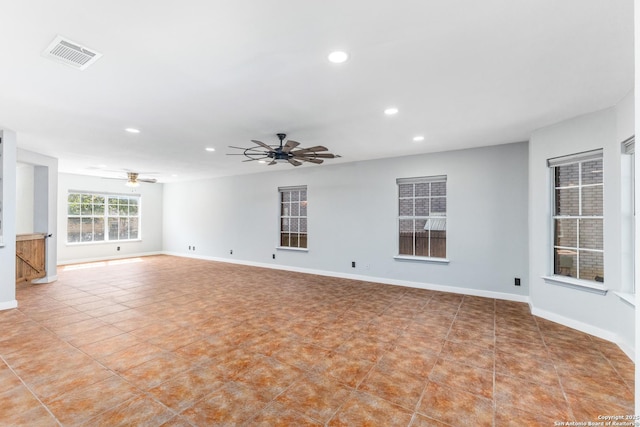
(421, 259)
(108, 242)
(627, 297)
(286, 248)
(581, 285)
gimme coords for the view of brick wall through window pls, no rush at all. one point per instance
(578, 220)
(87, 215)
(293, 217)
(422, 219)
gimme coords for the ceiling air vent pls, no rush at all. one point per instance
(71, 53)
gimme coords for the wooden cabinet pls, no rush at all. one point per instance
(30, 257)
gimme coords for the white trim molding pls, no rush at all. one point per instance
(582, 285)
(8, 305)
(109, 258)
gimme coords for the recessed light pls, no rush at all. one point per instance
(262, 161)
(132, 130)
(418, 138)
(210, 149)
(391, 111)
(338, 57)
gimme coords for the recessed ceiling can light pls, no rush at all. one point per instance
(210, 149)
(418, 138)
(132, 130)
(338, 57)
(262, 161)
(391, 111)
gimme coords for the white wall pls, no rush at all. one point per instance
(8, 241)
(24, 202)
(151, 223)
(607, 316)
(352, 217)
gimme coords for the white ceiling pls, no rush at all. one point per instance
(203, 73)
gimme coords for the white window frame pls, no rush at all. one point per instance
(442, 220)
(553, 278)
(106, 216)
(628, 223)
(282, 217)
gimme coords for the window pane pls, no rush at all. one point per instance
(98, 200)
(591, 266)
(133, 228)
(113, 207)
(87, 198)
(123, 232)
(73, 230)
(438, 206)
(87, 229)
(438, 189)
(437, 224)
(406, 190)
(592, 172)
(73, 198)
(438, 243)
(303, 195)
(286, 196)
(592, 200)
(421, 238)
(406, 207)
(133, 201)
(406, 237)
(123, 210)
(422, 189)
(98, 210)
(302, 241)
(293, 240)
(566, 175)
(590, 234)
(133, 210)
(303, 208)
(113, 228)
(87, 209)
(566, 233)
(567, 201)
(565, 262)
(295, 225)
(303, 225)
(295, 196)
(422, 207)
(284, 239)
(285, 209)
(98, 229)
(284, 224)
(295, 209)
(74, 209)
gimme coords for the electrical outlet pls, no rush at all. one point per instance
(353, 264)
(273, 256)
(194, 248)
(231, 252)
(517, 281)
(118, 248)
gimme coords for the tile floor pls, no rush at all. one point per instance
(181, 342)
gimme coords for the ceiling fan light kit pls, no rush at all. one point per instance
(284, 153)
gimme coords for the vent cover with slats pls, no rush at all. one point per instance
(71, 53)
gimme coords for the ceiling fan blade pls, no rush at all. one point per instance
(273, 162)
(313, 155)
(290, 145)
(262, 144)
(311, 160)
(314, 149)
(149, 180)
(295, 162)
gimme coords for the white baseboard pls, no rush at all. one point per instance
(7, 305)
(373, 279)
(46, 279)
(108, 258)
(586, 328)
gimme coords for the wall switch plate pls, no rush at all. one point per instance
(273, 256)
(517, 281)
(353, 264)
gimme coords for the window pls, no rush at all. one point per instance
(422, 216)
(102, 217)
(628, 216)
(293, 217)
(578, 216)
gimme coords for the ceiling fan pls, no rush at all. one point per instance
(287, 153)
(133, 180)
